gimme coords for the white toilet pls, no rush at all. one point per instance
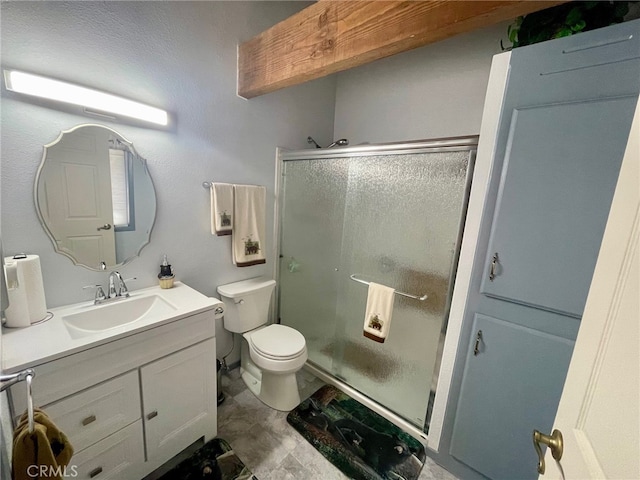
(270, 355)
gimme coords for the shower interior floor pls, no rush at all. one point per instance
(270, 447)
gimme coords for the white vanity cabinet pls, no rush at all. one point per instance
(130, 405)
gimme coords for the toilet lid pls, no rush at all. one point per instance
(278, 341)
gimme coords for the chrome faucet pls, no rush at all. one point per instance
(100, 296)
(113, 293)
(122, 290)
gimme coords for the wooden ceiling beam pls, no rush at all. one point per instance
(331, 36)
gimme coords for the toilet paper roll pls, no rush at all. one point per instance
(31, 287)
(17, 313)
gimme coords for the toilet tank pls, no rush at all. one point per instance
(246, 303)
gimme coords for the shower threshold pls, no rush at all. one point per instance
(368, 402)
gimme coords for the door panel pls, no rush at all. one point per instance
(598, 412)
(560, 169)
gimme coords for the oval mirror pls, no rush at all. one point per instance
(95, 197)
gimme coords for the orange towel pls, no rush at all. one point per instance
(47, 446)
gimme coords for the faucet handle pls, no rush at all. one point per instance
(123, 286)
(100, 296)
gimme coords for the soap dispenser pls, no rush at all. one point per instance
(166, 275)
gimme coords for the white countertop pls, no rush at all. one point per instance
(37, 344)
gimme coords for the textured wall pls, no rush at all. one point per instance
(431, 92)
(180, 56)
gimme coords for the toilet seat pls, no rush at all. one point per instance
(278, 342)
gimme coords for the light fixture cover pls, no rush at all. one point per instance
(44, 87)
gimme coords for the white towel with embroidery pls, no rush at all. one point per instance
(221, 208)
(377, 318)
(248, 225)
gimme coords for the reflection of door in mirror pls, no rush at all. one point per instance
(95, 197)
(77, 177)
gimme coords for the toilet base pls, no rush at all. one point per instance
(279, 392)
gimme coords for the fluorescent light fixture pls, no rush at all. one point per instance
(43, 87)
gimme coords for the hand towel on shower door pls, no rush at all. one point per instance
(221, 208)
(248, 225)
(377, 318)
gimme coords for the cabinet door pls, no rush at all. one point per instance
(559, 174)
(566, 118)
(179, 399)
(511, 384)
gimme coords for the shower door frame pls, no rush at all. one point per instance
(439, 145)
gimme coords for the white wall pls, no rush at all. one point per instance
(180, 56)
(431, 92)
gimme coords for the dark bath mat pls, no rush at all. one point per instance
(214, 461)
(361, 443)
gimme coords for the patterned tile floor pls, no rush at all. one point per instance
(270, 447)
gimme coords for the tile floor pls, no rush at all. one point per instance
(270, 447)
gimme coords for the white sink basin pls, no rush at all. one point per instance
(97, 318)
(80, 326)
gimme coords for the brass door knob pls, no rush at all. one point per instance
(553, 441)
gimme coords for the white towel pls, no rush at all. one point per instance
(248, 225)
(221, 208)
(377, 318)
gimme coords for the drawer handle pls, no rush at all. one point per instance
(95, 472)
(152, 415)
(88, 420)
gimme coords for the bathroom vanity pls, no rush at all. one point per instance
(131, 383)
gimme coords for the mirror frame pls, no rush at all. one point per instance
(130, 146)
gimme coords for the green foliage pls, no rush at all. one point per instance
(564, 20)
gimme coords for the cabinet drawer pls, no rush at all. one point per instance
(95, 413)
(116, 457)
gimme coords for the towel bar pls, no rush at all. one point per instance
(207, 185)
(26, 375)
(397, 292)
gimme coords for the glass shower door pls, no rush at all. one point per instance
(311, 237)
(391, 219)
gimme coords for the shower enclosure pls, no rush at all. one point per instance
(391, 214)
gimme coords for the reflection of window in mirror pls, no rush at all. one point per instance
(121, 190)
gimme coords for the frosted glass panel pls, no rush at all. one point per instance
(391, 219)
(312, 211)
